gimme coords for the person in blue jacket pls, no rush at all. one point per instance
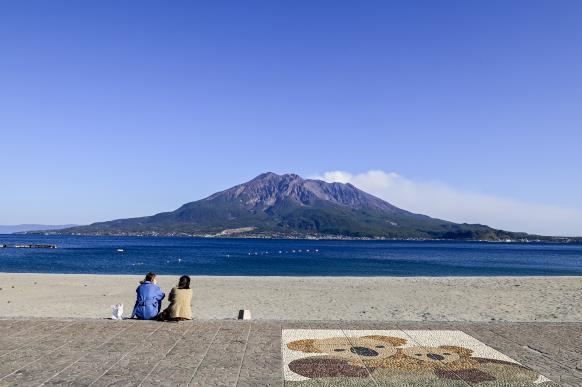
(149, 299)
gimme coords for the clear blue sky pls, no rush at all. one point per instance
(123, 108)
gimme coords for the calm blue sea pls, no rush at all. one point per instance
(199, 256)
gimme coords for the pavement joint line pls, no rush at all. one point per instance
(19, 331)
(576, 350)
(281, 353)
(87, 353)
(563, 348)
(166, 354)
(38, 358)
(576, 374)
(125, 355)
(38, 338)
(244, 353)
(205, 354)
(26, 330)
(359, 357)
(539, 353)
(34, 361)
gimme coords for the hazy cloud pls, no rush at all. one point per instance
(442, 201)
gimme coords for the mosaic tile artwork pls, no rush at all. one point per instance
(313, 357)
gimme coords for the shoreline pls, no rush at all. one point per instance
(452, 277)
(478, 299)
(549, 240)
(194, 276)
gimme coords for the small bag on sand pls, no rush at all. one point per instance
(117, 312)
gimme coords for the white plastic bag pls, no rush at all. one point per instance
(117, 312)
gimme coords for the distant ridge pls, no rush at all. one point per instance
(288, 206)
(19, 228)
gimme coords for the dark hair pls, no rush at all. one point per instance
(150, 276)
(184, 282)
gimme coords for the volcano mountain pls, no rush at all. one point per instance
(273, 205)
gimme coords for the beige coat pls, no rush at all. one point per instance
(180, 304)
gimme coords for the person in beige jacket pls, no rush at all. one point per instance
(180, 299)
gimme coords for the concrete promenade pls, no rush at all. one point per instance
(86, 352)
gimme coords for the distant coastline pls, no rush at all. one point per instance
(297, 236)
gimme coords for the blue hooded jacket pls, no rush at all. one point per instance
(148, 303)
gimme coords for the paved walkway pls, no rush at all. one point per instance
(229, 353)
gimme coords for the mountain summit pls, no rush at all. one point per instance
(273, 205)
(269, 189)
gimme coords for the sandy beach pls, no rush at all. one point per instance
(307, 298)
